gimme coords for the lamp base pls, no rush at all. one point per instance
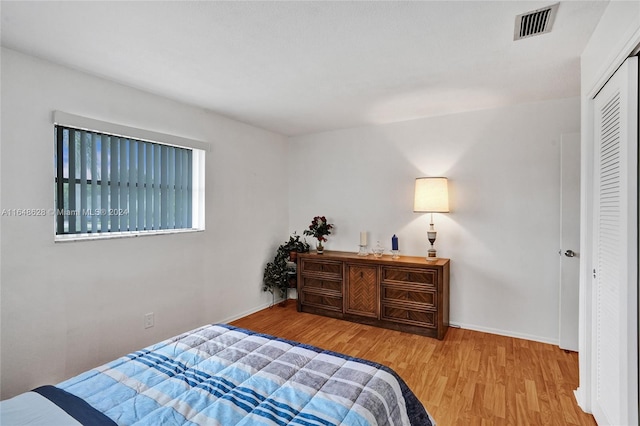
(431, 236)
(431, 254)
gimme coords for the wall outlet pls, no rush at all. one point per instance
(148, 320)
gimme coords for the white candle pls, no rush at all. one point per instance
(363, 238)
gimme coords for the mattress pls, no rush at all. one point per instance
(224, 375)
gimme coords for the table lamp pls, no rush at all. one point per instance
(431, 196)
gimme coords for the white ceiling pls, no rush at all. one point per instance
(304, 67)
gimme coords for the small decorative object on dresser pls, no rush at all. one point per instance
(395, 252)
(319, 229)
(362, 251)
(378, 250)
(408, 294)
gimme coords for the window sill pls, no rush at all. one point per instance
(112, 235)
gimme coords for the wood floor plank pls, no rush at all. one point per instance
(469, 378)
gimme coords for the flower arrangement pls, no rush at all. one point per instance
(319, 229)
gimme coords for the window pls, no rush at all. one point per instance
(108, 184)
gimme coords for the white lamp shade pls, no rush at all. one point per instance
(431, 195)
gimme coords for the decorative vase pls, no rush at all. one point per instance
(319, 247)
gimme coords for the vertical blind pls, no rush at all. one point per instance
(107, 183)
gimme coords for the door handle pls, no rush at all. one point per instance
(570, 253)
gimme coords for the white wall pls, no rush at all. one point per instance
(67, 307)
(502, 234)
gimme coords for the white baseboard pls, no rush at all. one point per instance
(292, 295)
(248, 312)
(506, 333)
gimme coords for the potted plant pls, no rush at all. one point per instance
(319, 229)
(279, 275)
(276, 273)
(295, 246)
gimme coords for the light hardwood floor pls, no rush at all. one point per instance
(469, 378)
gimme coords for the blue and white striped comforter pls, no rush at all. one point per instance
(223, 375)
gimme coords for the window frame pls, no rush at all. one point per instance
(198, 148)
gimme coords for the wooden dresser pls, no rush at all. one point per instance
(408, 294)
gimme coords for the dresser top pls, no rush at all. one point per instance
(385, 259)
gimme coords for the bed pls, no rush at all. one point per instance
(224, 375)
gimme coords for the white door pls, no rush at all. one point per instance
(615, 250)
(569, 240)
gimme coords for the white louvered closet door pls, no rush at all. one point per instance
(615, 279)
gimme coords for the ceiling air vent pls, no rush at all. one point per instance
(535, 22)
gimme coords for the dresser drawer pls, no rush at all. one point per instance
(319, 300)
(409, 315)
(425, 296)
(311, 283)
(326, 268)
(409, 275)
